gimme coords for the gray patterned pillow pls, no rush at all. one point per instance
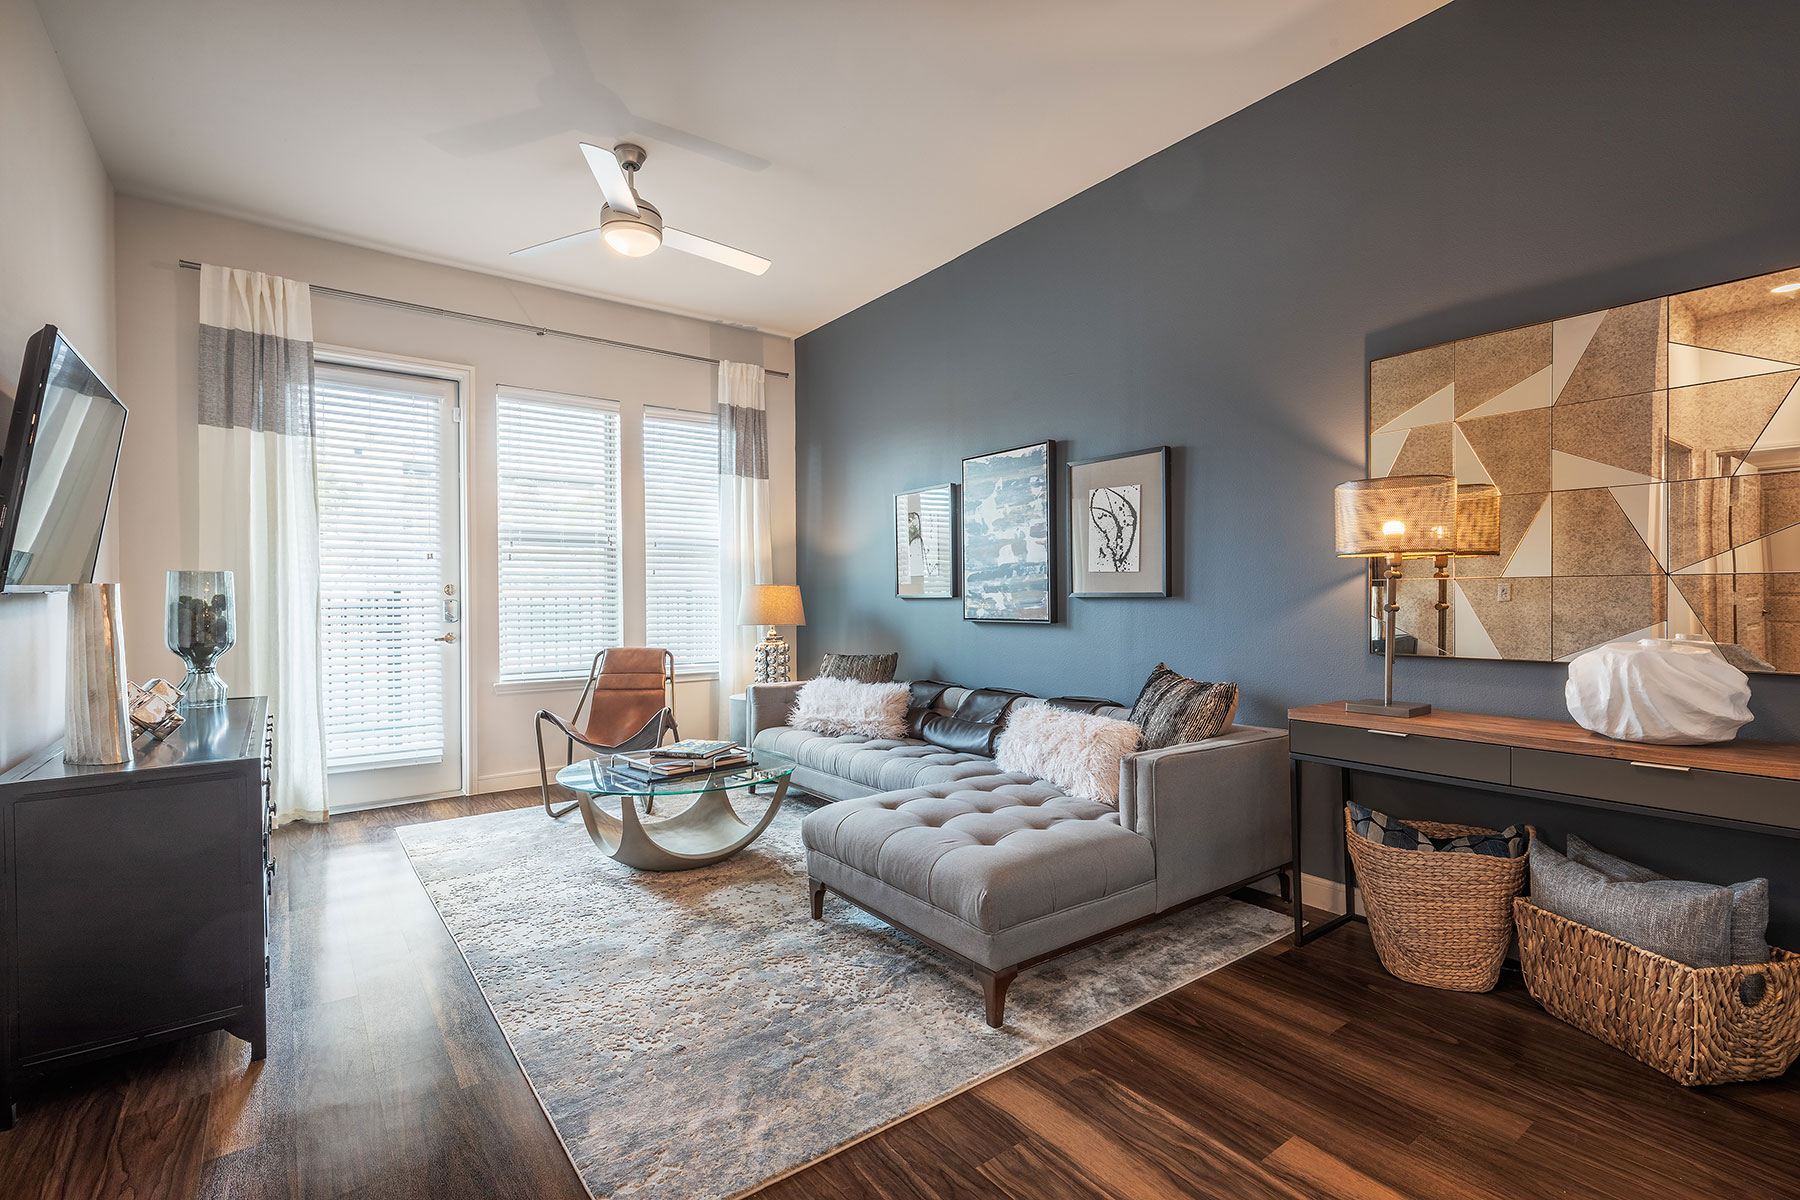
(864, 668)
(1173, 709)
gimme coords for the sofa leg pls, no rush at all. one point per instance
(818, 899)
(993, 992)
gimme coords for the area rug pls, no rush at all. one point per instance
(694, 1034)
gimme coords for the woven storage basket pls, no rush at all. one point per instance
(1697, 1025)
(1438, 918)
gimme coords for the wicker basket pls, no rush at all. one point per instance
(1443, 920)
(1696, 1025)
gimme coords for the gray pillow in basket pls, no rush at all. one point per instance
(1384, 830)
(1688, 922)
(1749, 900)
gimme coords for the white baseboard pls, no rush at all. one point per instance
(506, 781)
(1316, 892)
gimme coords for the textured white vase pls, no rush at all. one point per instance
(1673, 693)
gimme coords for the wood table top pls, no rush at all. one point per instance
(1777, 760)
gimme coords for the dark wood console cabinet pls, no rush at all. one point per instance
(1743, 784)
(134, 898)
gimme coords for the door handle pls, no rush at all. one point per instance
(448, 637)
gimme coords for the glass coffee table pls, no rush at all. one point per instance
(706, 831)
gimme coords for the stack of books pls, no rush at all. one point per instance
(679, 759)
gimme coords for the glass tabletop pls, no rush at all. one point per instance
(596, 777)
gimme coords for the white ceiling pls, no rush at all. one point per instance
(858, 143)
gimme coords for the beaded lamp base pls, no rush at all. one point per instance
(774, 661)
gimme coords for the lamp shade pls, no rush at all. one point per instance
(1402, 514)
(1477, 520)
(771, 604)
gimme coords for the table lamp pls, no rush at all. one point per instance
(1477, 536)
(772, 604)
(1400, 517)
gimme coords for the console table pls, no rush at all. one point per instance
(1744, 784)
(133, 898)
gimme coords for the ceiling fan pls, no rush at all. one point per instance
(633, 226)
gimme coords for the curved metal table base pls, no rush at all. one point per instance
(707, 832)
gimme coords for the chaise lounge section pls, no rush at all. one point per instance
(1003, 871)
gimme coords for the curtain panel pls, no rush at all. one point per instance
(746, 554)
(258, 512)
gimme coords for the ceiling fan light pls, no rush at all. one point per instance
(632, 236)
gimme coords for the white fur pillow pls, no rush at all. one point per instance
(1078, 752)
(837, 706)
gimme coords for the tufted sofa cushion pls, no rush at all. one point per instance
(881, 763)
(994, 851)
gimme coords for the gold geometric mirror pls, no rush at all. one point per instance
(1648, 461)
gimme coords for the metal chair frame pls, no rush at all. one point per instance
(649, 736)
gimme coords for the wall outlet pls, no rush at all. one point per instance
(1505, 590)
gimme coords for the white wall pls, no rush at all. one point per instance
(56, 268)
(158, 317)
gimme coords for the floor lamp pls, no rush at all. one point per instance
(1400, 517)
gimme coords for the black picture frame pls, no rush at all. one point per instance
(1154, 515)
(951, 524)
(979, 573)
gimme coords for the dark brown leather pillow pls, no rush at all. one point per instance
(924, 697)
(958, 735)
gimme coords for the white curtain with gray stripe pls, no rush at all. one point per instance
(259, 516)
(746, 554)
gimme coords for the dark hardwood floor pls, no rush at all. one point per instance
(1294, 1073)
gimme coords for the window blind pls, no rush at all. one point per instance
(559, 601)
(681, 536)
(378, 473)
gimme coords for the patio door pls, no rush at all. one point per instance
(390, 583)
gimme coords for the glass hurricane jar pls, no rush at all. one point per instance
(202, 625)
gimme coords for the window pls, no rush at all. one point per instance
(558, 460)
(681, 537)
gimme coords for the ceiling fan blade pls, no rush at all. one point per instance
(569, 239)
(611, 178)
(691, 243)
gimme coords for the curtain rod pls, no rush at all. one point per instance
(500, 322)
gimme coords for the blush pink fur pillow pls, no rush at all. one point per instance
(1078, 752)
(838, 706)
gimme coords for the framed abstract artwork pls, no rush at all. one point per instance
(1008, 567)
(1119, 525)
(925, 543)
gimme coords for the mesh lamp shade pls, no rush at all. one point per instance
(771, 604)
(1403, 514)
(1477, 520)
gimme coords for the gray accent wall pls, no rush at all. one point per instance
(1496, 163)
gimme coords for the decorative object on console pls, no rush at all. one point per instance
(1749, 900)
(772, 604)
(202, 625)
(1668, 691)
(864, 668)
(840, 706)
(1402, 516)
(1443, 920)
(1119, 524)
(1172, 709)
(98, 722)
(1645, 459)
(153, 708)
(1078, 752)
(1477, 536)
(1009, 573)
(925, 543)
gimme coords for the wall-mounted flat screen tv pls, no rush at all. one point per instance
(56, 475)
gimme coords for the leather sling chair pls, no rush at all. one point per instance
(630, 698)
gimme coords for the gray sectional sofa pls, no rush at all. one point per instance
(1004, 871)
